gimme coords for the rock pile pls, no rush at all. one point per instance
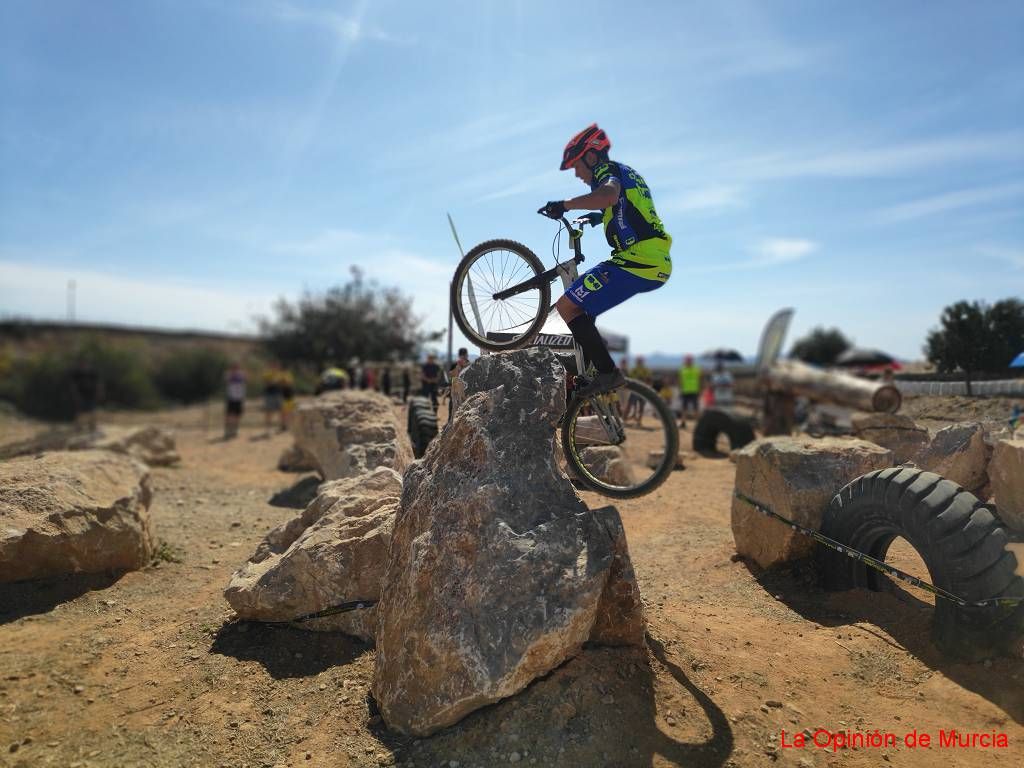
(333, 553)
(349, 433)
(1006, 471)
(497, 571)
(796, 477)
(73, 512)
(899, 433)
(150, 445)
(961, 453)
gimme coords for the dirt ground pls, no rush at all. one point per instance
(149, 669)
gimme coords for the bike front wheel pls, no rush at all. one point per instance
(622, 444)
(489, 269)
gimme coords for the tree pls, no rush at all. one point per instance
(820, 346)
(975, 337)
(357, 319)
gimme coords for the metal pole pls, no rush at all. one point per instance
(448, 367)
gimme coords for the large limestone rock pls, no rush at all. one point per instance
(73, 512)
(294, 459)
(895, 431)
(497, 572)
(796, 477)
(608, 463)
(350, 432)
(333, 553)
(1006, 471)
(150, 444)
(961, 453)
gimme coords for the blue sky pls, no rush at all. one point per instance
(187, 161)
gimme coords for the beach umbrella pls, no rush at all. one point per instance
(723, 354)
(1018, 361)
(859, 358)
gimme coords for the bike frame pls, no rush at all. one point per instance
(566, 270)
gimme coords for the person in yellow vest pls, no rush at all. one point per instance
(689, 388)
(635, 406)
(287, 397)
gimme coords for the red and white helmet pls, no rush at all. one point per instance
(589, 138)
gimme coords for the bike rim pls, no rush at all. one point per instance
(642, 459)
(495, 270)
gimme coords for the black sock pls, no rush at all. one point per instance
(585, 332)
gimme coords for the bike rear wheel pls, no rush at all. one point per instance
(621, 444)
(498, 324)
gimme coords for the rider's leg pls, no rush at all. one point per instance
(582, 327)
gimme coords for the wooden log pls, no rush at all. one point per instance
(796, 378)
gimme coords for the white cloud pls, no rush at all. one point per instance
(348, 28)
(1014, 257)
(710, 199)
(779, 250)
(883, 160)
(949, 201)
(769, 252)
(41, 292)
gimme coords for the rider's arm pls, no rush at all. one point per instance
(601, 198)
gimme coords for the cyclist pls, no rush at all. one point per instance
(639, 261)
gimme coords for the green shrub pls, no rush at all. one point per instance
(40, 386)
(191, 375)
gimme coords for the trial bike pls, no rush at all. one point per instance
(500, 299)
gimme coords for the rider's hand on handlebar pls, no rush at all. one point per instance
(555, 209)
(593, 218)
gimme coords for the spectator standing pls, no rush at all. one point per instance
(272, 397)
(636, 404)
(385, 381)
(689, 388)
(406, 383)
(287, 397)
(430, 375)
(332, 379)
(234, 395)
(721, 385)
(86, 391)
(460, 362)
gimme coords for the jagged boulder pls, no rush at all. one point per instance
(333, 553)
(1007, 473)
(497, 571)
(796, 477)
(895, 431)
(961, 453)
(654, 459)
(148, 444)
(350, 432)
(73, 512)
(608, 463)
(294, 459)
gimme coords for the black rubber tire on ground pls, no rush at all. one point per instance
(543, 304)
(582, 476)
(422, 424)
(961, 541)
(716, 421)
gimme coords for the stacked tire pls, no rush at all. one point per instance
(422, 424)
(960, 540)
(714, 422)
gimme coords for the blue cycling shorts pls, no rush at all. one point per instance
(605, 286)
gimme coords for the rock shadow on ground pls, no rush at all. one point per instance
(899, 614)
(598, 708)
(298, 495)
(29, 598)
(286, 652)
